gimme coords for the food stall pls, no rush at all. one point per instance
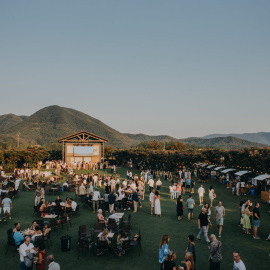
(227, 175)
(265, 194)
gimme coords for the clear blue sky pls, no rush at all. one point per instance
(182, 68)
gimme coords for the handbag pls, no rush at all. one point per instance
(210, 258)
(28, 259)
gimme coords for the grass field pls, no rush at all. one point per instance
(254, 253)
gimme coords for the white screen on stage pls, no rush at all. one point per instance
(83, 151)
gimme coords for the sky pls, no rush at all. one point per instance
(180, 68)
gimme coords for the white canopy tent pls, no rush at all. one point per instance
(228, 170)
(209, 167)
(203, 165)
(218, 168)
(240, 173)
(260, 178)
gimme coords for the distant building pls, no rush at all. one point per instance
(83, 147)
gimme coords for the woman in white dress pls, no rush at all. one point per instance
(157, 204)
(212, 195)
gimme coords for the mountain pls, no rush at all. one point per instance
(9, 120)
(54, 122)
(143, 137)
(260, 137)
(227, 143)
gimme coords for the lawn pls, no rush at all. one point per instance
(254, 253)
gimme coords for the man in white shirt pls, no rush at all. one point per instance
(73, 205)
(152, 201)
(95, 200)
(238, 263)
(26, 247)
(201, 192)
(95, 179)
(52, 265)
(151, 184)
(17, 183)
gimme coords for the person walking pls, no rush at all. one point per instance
(257, 220)
(219, 217)
(179, 207)
(157, 204)
(7, 205)
(202, 225)
(238, 263)
(190, 205)
(201, 192)
(212, 195)
(52, 265)
(37, 196)
(215, 253)
(135, 200)
(40, 264)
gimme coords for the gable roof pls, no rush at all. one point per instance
(83, 136)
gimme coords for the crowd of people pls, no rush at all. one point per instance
(128, 194)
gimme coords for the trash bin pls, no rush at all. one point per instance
(252, 191)
(209, 176)
(215, 178)
(65, 242)
(224, 181)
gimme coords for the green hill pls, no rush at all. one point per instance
(9, 120)
(51, 123)
(222, 142)
(54, 122)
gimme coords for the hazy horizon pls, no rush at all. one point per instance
(177, 68)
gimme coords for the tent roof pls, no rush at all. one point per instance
(218, 168)
(242, 173)
(82, 136)
(203, 165)
(211, 166)
(228, 170)
(262, 177)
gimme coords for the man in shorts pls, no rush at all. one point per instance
(219, 216)
(7, 205)
(257, 220)
(201, 192)
(188, 185)
(190, 205)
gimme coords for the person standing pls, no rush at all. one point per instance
(158, 185)
(37, 196)
(52, 265)
(202, 225)
(201, 192)
(190, 205)
(7, 205)
(215, 251)
(95, 200)
(163, 249)
(246, 219)
(40, 265)
(238, 263)
(135, 200)
(257, 220)
(219, 217)
(191, 247)
(111, 199)
(179, 207)
(157, 204)
(151, 184)
(152, 201)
